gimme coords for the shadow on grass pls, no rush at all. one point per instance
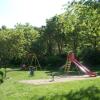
(90, 93)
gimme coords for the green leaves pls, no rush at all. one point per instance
(15, 43)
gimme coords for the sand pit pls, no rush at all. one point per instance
(56, 79)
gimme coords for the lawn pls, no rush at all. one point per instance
(11, 89)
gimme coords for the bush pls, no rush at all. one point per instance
(53, 62)
(90, 56)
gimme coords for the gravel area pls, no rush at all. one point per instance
(57, 79)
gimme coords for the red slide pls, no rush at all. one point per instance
(80, 66)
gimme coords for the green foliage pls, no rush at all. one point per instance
(91, 56)
(16, 43)
(53, 62)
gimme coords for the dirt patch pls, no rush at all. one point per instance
(57, 79)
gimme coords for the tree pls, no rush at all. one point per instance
(82, 23)
(30, 36)
(55, 33)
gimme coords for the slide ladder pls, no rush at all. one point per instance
(67, 66)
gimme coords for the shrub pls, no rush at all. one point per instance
(90, 56)
(53, 62)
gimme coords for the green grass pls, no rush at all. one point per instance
(11, 89)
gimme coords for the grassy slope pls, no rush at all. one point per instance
(76, 90)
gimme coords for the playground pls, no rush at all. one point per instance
(83, 73)
(30, 83)
(88, 74)
(34, 84)
(55, 56)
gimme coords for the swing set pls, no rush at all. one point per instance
(31, 60)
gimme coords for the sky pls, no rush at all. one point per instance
(34, 12)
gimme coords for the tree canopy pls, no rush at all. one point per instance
(77, 29)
